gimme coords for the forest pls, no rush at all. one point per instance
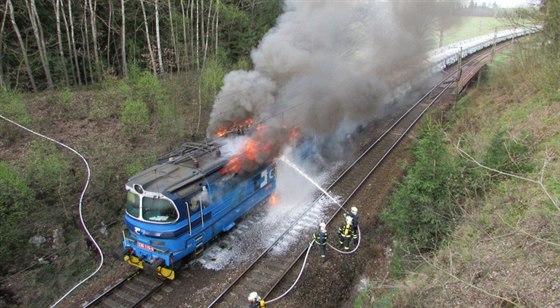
(123, 81)
(55, 43)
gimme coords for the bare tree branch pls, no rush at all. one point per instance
(555, 201)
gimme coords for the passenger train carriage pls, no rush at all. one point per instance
(177, 206)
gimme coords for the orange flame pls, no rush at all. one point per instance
(238, 127)
(274, 199)
(221, 132)
(261, 148)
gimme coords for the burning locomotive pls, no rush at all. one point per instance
(176, 207)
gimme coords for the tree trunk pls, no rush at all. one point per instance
(109, 29)
(186, 50)
(2, 44)
(197, 36)
(158, 40)
(21, 46)
(191, 28)
(68, 41)
(207, 34)
(36, 25)
(85, 39)
(92, 20)
(123, 43)
(42, 41)
(217, 24)
(175, 53)
(59, 39)
(153, 62)
(74, 50)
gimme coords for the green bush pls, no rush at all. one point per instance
(170, 123)
(147, 88)
(212, 79)
(12, 107)
(49, 173)
(509, 155)
(15, 198)
(422, 210)
(108, 100)
(139, 164)
(135, 116)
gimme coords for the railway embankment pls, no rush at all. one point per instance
(474, 221)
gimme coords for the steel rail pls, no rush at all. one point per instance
(476, 58)
(103, 295)
(449, 76)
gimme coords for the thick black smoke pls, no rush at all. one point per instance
(326, 63)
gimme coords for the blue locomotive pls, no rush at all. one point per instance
(176, 207)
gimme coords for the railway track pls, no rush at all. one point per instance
(131, 291)
(266, 272)
(272, 265)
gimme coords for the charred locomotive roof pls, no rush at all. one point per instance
(189, 164)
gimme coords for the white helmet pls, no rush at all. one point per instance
(349, 220)
(253, 297)
(323, 226)
(354, 210)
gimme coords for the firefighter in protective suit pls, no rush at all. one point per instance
(345, 233)
(355, 220)
(255, 301)
(320, 239)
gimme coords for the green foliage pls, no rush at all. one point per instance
(139, 164)
(49, 173)
(509, 155)
(422, 210)
(146, 87)
(386, 300)
(135, 116)
(108, 100)
(551, 26)
(212, 78)
(398, 269)
(13, 107)
(15, 198)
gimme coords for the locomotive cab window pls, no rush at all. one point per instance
(133, 204)
(200, 199)
(158, 210)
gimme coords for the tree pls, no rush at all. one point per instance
(59, 40)
(22, 46)
(123, 42)
(158, 40)
(152, 59)
(2, 43)
(38, 33)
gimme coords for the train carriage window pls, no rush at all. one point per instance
(133, 204)
(158, 210)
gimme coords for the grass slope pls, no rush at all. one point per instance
(506, 249)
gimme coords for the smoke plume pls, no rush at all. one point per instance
(326, 63)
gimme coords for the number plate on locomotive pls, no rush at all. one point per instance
(144, 246)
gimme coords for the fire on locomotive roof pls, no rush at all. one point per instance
(195, 193)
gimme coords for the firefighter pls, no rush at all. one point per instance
(321, 239)
(345, 233)
(255, 301)
(355, 221)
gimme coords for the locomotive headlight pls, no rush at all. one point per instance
(138, 188)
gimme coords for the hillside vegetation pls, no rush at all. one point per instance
(476, 218)
(123, 114)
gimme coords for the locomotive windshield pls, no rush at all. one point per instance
(132, 204)
(158, 210)
(152, 209)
